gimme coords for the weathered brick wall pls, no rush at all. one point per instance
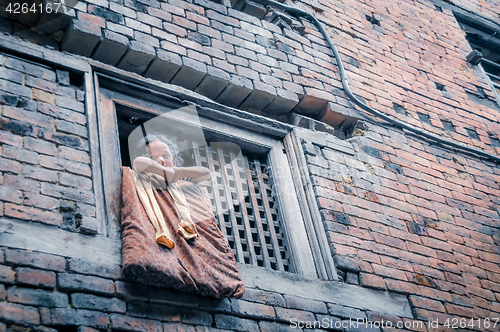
(409, 63)
(402, 215)
(45, 158)
(412, 218)
(488, 9)
(52, 293)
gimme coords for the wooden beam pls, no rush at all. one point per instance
(15, 233)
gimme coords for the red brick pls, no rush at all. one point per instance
(79, 317)
(401, 287)
(484, 293)
(461, 311)
(7, 165)
(486, 265)
(389, 272)
(371, 281)
(7, 275)
(396, 263)
(36, 277)
(35, 259)
(368, 256)
(76, 282)
(422, 302)
(360, 233)
(381, 249)
(92, 19)
(414, 258)
(30, 213)
(489, 257)
(389, 241)
(421, 249)
(427, 314)
(74, 155)
(19, 314)
(435, 294)
(128, 323)
(37, 297)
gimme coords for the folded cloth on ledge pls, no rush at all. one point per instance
(203, 265)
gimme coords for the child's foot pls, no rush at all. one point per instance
(163, 240)
(187, 231)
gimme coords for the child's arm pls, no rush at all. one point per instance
(196, 173)
(147, 165)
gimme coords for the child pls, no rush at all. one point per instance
(162, 162)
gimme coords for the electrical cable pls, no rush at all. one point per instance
(296, 12)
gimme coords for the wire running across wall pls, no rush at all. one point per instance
(296, 12)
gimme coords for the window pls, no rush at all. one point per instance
(486, 40)
(255, 175)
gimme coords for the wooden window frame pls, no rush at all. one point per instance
(483, 36)
(310, 255)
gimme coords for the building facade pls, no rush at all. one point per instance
(358, 184)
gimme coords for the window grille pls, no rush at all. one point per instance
(242, 198)
(484, 40)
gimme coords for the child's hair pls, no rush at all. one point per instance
(141, 147)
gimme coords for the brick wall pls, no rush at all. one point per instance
(402, 215)
(409, 61)
(414, 219)
(44, 159)
(52, 293)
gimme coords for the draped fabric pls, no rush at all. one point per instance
(203, 265)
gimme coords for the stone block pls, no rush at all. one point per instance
(345, 312)
(37, 297)
(236, 323)
(62, 77)
(7, 275)
(76, 282)
(313, 102)
(213, 83)
(284, 102)
(35, 277)
(127, 323)
(16, 313)
(164, 66)
(251, 309)
(87, 301)
(190, 74)
(269, 298)
(254, 9)
(79, 317)
(98, 269)
(89, 225)
(81, 38)
(261, 96)
(352, 278)
(336, 115)
(237, 90)
(137, 58)
(294, 302)
(111, 48)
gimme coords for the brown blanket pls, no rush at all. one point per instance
(204, 265)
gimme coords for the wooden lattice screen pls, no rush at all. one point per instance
(243, 202)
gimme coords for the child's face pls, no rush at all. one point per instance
(160, 152)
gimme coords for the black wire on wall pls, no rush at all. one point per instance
(296, 12)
